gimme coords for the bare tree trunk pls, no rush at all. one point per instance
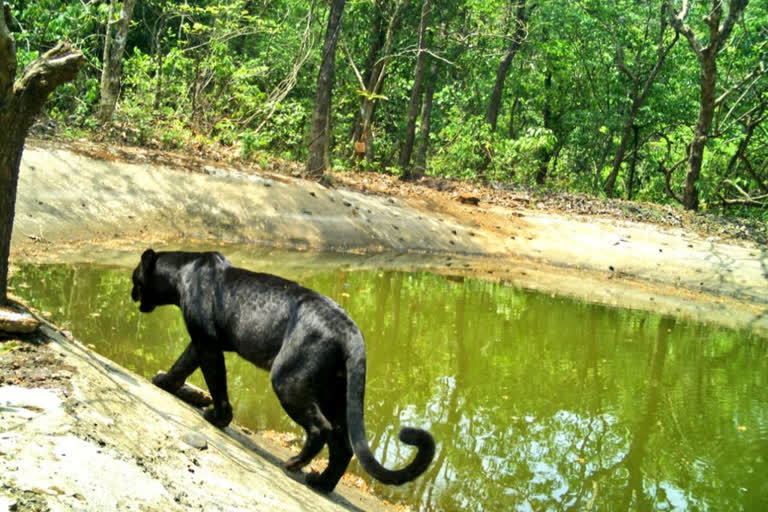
(20, 103)
(113, 58)
(413, 107)
(318, 159)
(707, 56)
(701, 131)
(375, 83)
(546, 155)
(158, 56)
(633, 164)
(521, 30)
(512, 110)
(371, 70)
(420, 163)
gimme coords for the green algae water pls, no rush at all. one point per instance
(537, 402)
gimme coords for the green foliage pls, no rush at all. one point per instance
(243, 74)
(466, 147)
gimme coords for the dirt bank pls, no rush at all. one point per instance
(73, 203)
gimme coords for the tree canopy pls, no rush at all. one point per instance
(655, 100)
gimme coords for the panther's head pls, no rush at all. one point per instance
(143, 275)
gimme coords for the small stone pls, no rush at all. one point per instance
(195, 440)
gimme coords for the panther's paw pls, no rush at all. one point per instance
(218, 417)
(294, 464)
(166, 382)
(162, 381)
(319, 483)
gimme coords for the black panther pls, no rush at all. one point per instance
(313, 350)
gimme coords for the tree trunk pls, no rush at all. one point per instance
(546, 155)
(494, 103)
(413, 107)
(610, 182)
(633, 165)
(375, 82)
(492, 115)
(707, 56)
(158, 57)
(700, 131)
(113, 58)
(20, 103)
(420, 163)
(10, 158)
(318, 159)
(372, 68)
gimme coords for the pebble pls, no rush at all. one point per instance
(195, 440)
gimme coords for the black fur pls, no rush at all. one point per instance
(313, 350)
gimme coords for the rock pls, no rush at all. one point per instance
(195, 440)
(17, 321)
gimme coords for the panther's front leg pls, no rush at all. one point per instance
(215, 374)
(184, 366)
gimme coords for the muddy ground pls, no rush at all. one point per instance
(78, 432)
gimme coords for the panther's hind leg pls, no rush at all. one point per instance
(318, 430)
(340, 453)
(295, 396)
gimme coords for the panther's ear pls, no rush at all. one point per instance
(148, 260)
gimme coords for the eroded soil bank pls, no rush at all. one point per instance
(81, 433)
(73, 206)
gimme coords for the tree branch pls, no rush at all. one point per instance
(352, 63)
(668, 177)
(758, 72)
(620, 61)
(7, 56)
(712, 20)
(736, 104)
(746, 199)
(761, 183)
(677, 19)
(735, 8)
(57, 66)
(663, 52)
(668, 172)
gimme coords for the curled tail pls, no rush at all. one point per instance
(421, 439)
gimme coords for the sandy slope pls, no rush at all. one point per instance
(72, 205)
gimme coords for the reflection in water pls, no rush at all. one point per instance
(537, 402)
